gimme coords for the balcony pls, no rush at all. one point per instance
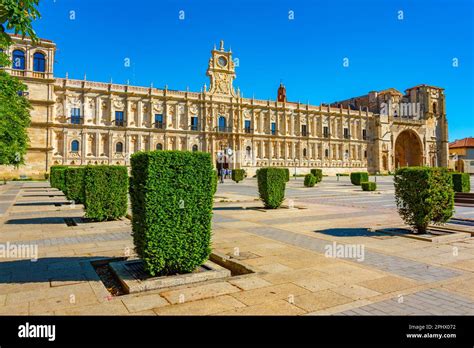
(194, 128)
(119, 123)
(347, 136)
(326, 135)
(158, 125)
(223, 129)
(76, 120)
(248, 130)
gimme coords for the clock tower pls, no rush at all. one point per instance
(221, 71)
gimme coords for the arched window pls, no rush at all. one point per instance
(159, 146)
(222, 124)
(119, 147)
(248, 151)
(39, 62)
(326, 153)
(18, 60)
(75, 146)
(195, 148)
(304, 152)
(435, 108)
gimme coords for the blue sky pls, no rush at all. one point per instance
(306, 53)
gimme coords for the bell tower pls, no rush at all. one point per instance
(221, 71)
(281, 97)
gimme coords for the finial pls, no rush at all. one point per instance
(151, 85)
(111, 80)
(215, 47)
(230, 49)
(166, 87)
(187, 88)
(222, 45)
(85, 77)
(67, 75)
(205, 87)
(128, 82)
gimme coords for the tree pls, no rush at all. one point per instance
(14, 107)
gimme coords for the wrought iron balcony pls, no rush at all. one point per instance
(119, 123)
(223, 129)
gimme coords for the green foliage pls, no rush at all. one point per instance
(105, 189)
(57, 178)
(461, 182)
(74, 183)
(368, 186)
(238, 175)
(424, 195)
(318, 174)
(309, 180)
(14, 120)
(215, 177)
(172, 197)
(358, 177)
(287, 173)
(18, 16)
(271, 186)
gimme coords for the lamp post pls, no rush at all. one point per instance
(295, 167)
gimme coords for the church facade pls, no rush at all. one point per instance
(80, 122)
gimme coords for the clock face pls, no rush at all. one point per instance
(222, 61)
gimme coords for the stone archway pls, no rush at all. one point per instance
(408, 150)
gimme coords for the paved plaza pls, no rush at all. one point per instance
(287, 248)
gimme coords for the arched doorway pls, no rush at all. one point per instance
(408, 150)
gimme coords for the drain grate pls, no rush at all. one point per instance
(137, 270)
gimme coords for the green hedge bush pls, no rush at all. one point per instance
(368, 186)
(74, 182)
(461, 182)
(309, 180)
(57, 178)
(238, 175)
(318, 174)
(105, 189)
(287, 173)
(271, 186)
(424, 195)
(358, 177)
(172, 197)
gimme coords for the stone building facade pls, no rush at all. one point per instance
(80, 122)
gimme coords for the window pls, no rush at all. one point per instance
(435, 108)
(119, 118)
(195, 148)
(222, 124)
(273, 128)
(364, 134)
(326, 153)
(346, 133)
(39, 62)
(247, 126)
(304, 131)
(326, 131)
(159, 146)
(75, 146)
(119, 147)
(76, 116)
(248, 151)
(365, 153)
(304, 152)
(194, 123)
(18, 60)
(158, 121)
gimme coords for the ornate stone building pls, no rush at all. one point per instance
(79, 122)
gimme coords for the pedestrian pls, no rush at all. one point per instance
(222, 174)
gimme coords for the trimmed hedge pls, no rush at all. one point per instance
(287, 173)
(74, 182)
(318, 174)
(105, 189)
(358, 177)
(57, 178)
(271, 186)
(172, 197)
(368, 186)
(309, 180)
(461, 182)
(238, 175)
(424, 195)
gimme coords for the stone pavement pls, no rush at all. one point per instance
(287, 247)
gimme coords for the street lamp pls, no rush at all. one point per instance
(295, 167)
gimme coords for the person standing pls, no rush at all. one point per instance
(222, 174)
